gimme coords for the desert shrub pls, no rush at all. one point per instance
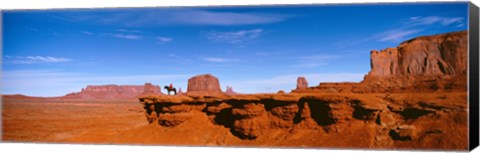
(442, 97)
(449, 86)
(434, 86)
(332, 90)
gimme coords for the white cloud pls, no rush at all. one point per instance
(30, 28)
(235, 37)
(396, 35)
(172, 16)
(164, 39)
(223, 18)
(429, 20)
(34, 59)
(127, 36)
(122, 36)
(308, 65)
(217, 59)
(131, 31)
(414, 18)
(56, 34)
(448, 21)
(314, 60)
(414, 26)
(87, 32)
(320, 57)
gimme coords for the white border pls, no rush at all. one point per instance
(63, 148)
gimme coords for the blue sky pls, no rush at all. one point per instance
(252, 49)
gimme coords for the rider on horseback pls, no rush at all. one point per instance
(170, 88)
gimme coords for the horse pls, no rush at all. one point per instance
(168, 90)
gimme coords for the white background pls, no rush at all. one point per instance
(64, 148)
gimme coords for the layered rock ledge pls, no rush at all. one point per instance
(251, 116)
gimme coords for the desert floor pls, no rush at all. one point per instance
(124, 122)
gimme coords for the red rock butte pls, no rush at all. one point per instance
(205, 84)
(230, 91)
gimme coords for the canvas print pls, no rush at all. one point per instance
(350, 76)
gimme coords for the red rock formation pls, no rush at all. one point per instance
(380, 121)
(114, 92)
(252, 120)
(205, 84)
(149, 89)
(302, 83)
(443, 54)
(230, 91)
(427, 63)
(180, 92)
(441, 59)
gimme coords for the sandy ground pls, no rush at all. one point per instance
(124, 122)
(47, 120)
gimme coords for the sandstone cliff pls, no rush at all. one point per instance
(438, 55)
(426, 63)
(423, 63)
(369, 120)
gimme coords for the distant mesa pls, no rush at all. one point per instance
(149, 89)
(20, 96)
(180, 92)
(205, 84)
(230, 91)
(115, 91)
(202, 85)
(302, 83)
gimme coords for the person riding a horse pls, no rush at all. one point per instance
(170, 88)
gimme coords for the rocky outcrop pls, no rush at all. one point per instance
(114, 92)
(251, 120)
(180, 92)
(423, 63)
(380, 121)
(438, 55)
(302, 83)
(205, 84)
(403, 132)
(427, 63)
(331, 87)
(230, 91)
(150, 89)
